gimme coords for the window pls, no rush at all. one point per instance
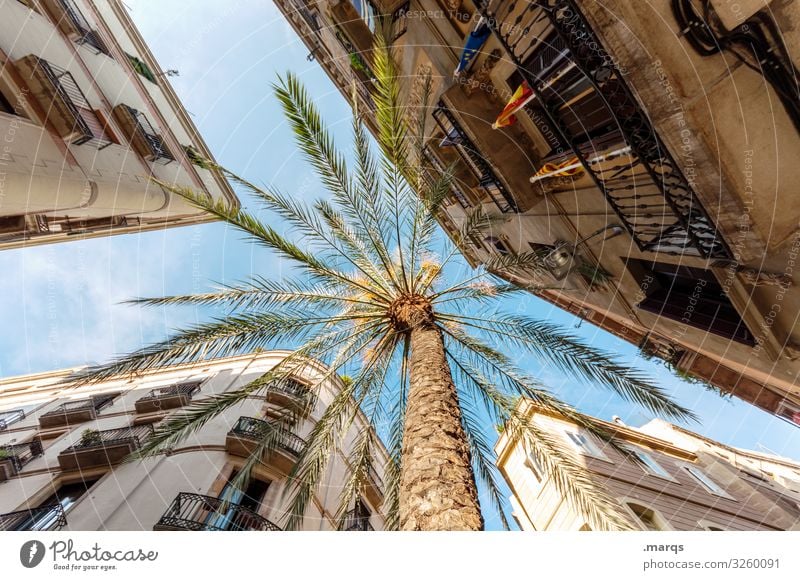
(66, 497)
(250, 499)
(650, 519)
(498, 244)
(689, 295)
(650, 465)
(5, 105)
(706, 481)
(536, 468)
(368, 13)
(789, 411)
(583, 444)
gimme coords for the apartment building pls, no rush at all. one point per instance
(648, 159)
(62, 449)
(681, 481)
(88, 120)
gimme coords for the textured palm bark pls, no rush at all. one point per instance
(437, 487)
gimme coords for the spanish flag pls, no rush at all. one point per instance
(521, 97)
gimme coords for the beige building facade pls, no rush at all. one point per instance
(681, 481)
(61, 452)
(87, 121)
(654, 175)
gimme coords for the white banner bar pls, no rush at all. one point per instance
(417, 556)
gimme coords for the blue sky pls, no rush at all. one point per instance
(60, 302)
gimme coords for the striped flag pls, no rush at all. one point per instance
(521, 97)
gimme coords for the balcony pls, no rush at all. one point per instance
(98, 448)
(194, 512)
(356, 521)
(74, 412)
(40, 519)
(13, 457)
(488, 180)
(169, 397)
(290, 394)
(435, 173)
(558, 53)
(143, 137)
(74, 24)
(248, 433)
(9, 417)
(67, 108)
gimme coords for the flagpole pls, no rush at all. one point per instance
(599, 159)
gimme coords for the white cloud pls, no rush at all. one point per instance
(61, 303)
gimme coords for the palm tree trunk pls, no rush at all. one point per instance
(437, 486)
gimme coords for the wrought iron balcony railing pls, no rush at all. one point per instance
(133, 436)
(20, 453)
(143, 135)
(472, 157)
(256, 429)
(650, 193)
(439, 169)
(49, 517)
(63, 100)
(356, 521)
(168, 397)
(86, 35)
(9, 417)
(96, 403)
(76, 411)
(195, 512)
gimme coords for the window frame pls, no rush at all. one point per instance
(645, 456)
(706, 482)
(591, 449)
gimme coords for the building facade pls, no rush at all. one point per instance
(62, 447)
(87, 121)
(651, 170)
(681, 481)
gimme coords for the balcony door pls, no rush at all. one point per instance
(66, 496)
(692, 296)
(234, 517)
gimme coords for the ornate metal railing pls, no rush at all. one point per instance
(257, 429)
(133, 435)
(439, 168)
(473, 158)
(158, 149)
(189, 389)
(86, 34)
(84, 119)
(21, 453)
(9, 417)
(650, 194)
(290, 387)
(191, 511)
(49, 517)
(356, 521)
(97, 403)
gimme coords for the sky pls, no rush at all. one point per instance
(61, 303)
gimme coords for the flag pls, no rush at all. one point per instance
(521, 97)
(564, 169)
(475, 40)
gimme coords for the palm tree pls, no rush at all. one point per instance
(426, 351)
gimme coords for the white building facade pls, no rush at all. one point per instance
(61, 452)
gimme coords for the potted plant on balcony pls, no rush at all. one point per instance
(89, 437)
